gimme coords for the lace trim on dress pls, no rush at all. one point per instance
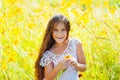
(46, 59)
(49, 57)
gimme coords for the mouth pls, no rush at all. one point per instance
(59, 37)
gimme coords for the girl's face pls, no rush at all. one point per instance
(59, 33)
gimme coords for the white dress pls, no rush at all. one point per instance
(48, 57)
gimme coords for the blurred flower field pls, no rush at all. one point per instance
(95, 22)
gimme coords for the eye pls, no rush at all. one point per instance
(55, 30)
(63, 29)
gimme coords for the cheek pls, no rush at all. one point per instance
(54, 33)
(65, 33)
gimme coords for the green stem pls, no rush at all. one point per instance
(6, 75)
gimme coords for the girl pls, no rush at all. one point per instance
(59, 53)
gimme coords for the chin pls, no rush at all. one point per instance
(60, 41)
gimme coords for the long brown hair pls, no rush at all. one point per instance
(48, 42)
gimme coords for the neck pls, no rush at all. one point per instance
(60, 44)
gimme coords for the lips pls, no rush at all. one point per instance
(59, 37)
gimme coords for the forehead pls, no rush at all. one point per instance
(59, 25)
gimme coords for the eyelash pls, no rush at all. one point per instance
(62, 30)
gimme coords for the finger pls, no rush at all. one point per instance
(72, 60)
(73, 63)
(68, 60)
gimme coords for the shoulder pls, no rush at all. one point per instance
(75, 41)
(46, 53)
(46, 58)
(79, 46)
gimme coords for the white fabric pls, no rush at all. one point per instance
(48, 57)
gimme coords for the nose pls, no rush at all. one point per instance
(60, 33)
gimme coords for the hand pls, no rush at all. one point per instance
(62, 65)
(72, 61)
(76, 65)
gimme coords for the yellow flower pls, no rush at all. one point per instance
(16, 31)
(112, 9)
(18, 10)
(10, 59)
(104, 32)
(87, 2)
(67, 57)
(2, 30)
(10, 1)
(4, 65)
(80, 74)
(31, 54)
(16, 42)
(31, 25)
(106, 3)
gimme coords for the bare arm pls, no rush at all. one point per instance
(51, 72)
(81, 64)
